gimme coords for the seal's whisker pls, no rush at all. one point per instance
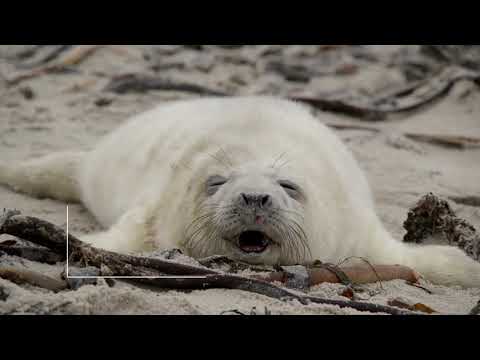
(220, 161)
(288, 246)
(180, 163)
(197, 220)
(226, 157)
(289, 212)
(301, 237)
(203, 234)
(197, 224)
(283, 164)
(278, 159)
(213, 240)
(205, 240)
(218, 207)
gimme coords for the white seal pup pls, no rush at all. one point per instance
(257, 179)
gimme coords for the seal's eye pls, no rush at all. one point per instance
(291, 188)
(214, 183)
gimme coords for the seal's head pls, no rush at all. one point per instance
(251, 214)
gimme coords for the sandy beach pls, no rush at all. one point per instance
(70, 110)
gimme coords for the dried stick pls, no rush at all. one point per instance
(459, 142)
(126, 265)
(23, 276)
(452, 141)
(32, 253)
(466, 200)
(226, 281)
(37, 231)
(137, 83)
(356, 274)
(46, 234)
(48, 57)
(419, 96)
(339, 106)
(72, 57)
(400, 303)
(352, 127)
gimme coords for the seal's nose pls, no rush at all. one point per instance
(260, 200)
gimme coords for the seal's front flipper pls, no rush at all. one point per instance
(52, 176)
(131, 233)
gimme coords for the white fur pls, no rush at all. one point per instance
(144, 180)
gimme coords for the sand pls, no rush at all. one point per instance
(63, 115)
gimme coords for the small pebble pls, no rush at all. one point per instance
(102, 102)
(27, 93)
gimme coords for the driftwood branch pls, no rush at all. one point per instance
(46, 234)
(226, 281)
(69, 58)
(316, 275)
(339, 106)
(425, 92)
(46, 56)
(414, 97)
(450, 141)
(466, 200)
(37, 231)
(138, 83)
(24, 276)
(453, 141)
(352, 127)
(32, 253)
(356, 274)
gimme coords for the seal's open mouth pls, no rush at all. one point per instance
(253, 242)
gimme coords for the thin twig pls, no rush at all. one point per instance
(352, 127)
(419, 287)
(454, 141)
(466, 200)
(72, 57)
(419, 96)
(51, 55)
(379, 279)
(138, 83)
(339, 106)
